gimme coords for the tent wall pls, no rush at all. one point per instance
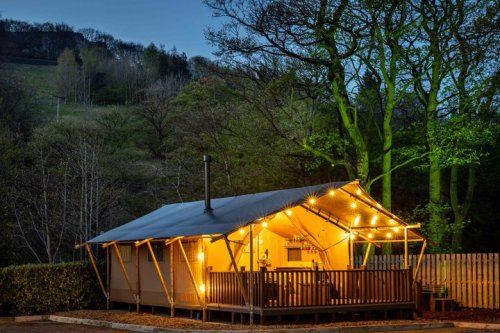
(119, 291)
(151, 289)
(185, 293)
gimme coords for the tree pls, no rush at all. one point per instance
(157, 110)
(67, 75)
(321, 34)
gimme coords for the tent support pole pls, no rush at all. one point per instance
(368, 248)
(92, 260)
(419, 263)
(238, 274)
(138, 279)
(108, 277)
(351, 251)
(191, 275)
(158, 271)
(251, 274)
(406, 248)
(172, 305)
(125, 274)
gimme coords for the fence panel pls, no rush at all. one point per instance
(472, 279)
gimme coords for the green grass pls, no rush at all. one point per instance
(40, 77)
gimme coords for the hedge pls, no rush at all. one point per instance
(44, 289)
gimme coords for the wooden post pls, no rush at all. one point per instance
(125, 274)
(238, 275)
(251, 274)
(172, 285)
(108, 277)
(158, 272)
(419, 261)
(191, 275)
(406, 248)
(351, 250)
(368, 248)
(138, 279)
(92, 260)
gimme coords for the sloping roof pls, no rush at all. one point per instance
(189, 219)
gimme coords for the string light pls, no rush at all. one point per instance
(201, 256)
(312, 200)
(289, 212)
(332, 193)
(374, 219)
(356, 220)
(242, 231)
(264, 224)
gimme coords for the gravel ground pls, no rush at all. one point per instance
(184, 323)
(476, 316)
(468, 315)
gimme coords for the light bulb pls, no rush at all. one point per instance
(358, 192)
(264, 224)
(374, 219)
(289, 212)
(353, 236)
(391, 221)
(242, 231)
(312, 201)
(202, 288)
(356, 220)
(396, 229)
(201, 256)
(332, 193)
(370, 235)
(388, 235)
(353, 204)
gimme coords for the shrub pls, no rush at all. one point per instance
(43, 289)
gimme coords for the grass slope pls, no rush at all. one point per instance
(40, 78)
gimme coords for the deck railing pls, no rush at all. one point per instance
(299, 288)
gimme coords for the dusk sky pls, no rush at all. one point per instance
(179, 23)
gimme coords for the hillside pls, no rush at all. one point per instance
(39, 80)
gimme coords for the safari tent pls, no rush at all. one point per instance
(282, 252)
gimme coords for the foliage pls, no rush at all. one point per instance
(43, 289)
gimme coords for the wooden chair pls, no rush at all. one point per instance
(439, 299)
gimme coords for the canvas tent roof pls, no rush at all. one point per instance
(343, 203)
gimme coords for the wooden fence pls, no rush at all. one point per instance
(296, 288)
(472, 279)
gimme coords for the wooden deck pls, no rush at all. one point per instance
(311, 291)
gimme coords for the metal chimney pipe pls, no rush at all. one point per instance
(206, 161)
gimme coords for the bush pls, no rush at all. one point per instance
(43, 289)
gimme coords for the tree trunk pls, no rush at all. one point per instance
(460, 210)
